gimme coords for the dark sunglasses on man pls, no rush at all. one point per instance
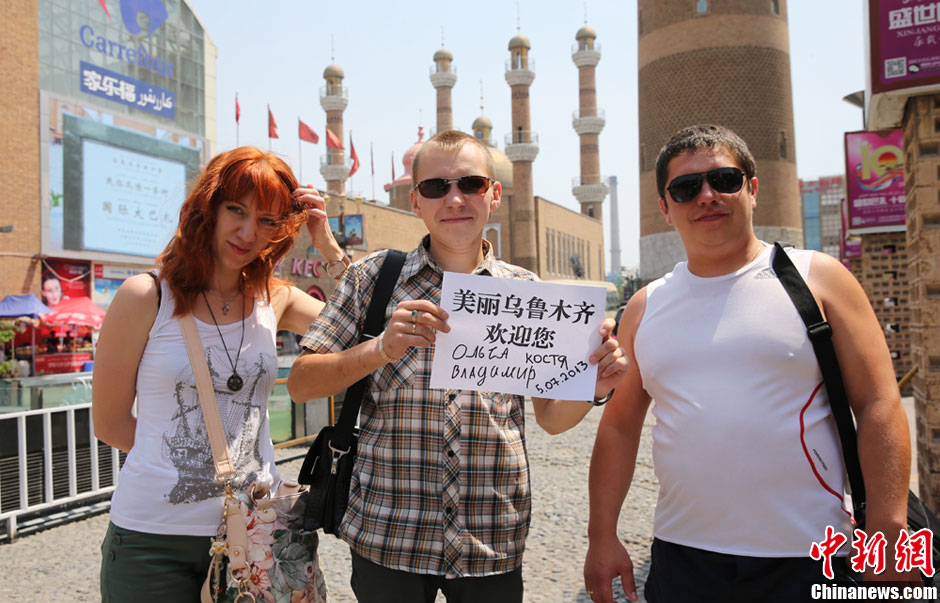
(725, 180)
(435, 188)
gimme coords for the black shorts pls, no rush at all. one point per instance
(680, 573)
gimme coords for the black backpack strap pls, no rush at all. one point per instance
(820, 334)
(374, 324)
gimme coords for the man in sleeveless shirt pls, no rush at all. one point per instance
(744, 446)
(439, 498)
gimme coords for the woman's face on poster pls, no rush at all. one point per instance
(52, 292)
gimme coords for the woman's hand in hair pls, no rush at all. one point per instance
(318, 223)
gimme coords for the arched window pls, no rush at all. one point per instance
(702, 6)
(775, 6)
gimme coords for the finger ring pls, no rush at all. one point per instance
(414, 327)
(414, 316)
(590, 593)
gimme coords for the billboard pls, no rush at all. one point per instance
(874, 174)
(905, 44)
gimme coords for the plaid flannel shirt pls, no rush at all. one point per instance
(441, 480)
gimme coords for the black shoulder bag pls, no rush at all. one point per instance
(328, 466)
(820, 334)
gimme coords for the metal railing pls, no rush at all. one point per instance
(50, 458)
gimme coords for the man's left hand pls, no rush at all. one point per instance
(610, 359)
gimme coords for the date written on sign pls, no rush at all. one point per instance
(518, 337)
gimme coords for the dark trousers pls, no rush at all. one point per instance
(139, 567)
(681, 573)
(373, 583)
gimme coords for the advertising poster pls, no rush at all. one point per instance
(64, 279)
(905, 45)
(874, 181)
(518, 337)
(353, 227)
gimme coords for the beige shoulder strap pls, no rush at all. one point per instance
(224, 469)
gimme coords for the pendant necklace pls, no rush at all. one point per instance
(234, 382)
(225, 302)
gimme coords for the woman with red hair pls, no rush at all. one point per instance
(239, 220)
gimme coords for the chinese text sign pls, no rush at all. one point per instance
(518, 337)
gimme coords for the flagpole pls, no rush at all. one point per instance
(237, 116)
(372, 168)
(269, 127)
(300, 155)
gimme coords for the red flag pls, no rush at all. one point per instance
(272, 125)
(238, 109)
(332, 141)
(306, 133)
(353, 156)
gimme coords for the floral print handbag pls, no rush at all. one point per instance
(262, 552)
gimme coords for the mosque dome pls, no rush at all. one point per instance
(503, 167)
(443, 55)
(481, 122)
(334, 70)
(585, 33)
(519, 41)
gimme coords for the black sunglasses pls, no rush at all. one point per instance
(435, 188)
(724, 180)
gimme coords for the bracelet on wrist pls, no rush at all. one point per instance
(603, 400)
(388, 359)
(336, 268)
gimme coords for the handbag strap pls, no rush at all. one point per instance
(224, 469)
(820, 334)
(374, 324)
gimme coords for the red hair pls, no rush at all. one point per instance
(188, 261)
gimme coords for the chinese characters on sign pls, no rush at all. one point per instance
(123, 89)
(518, 337)
(912, 551)
(908, 43)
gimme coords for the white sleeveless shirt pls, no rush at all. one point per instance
(167, 484)
(745, 447)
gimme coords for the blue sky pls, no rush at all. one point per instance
(275, 52)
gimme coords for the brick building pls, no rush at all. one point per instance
(737, 52)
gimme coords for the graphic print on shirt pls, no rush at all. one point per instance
(186, 443)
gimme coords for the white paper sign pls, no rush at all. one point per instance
(518, 337)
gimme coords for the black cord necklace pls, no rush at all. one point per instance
(234, 382)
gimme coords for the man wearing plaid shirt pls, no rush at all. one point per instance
(439, 497)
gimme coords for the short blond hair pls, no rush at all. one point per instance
(451, 141)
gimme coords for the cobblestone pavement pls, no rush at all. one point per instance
(62, 563)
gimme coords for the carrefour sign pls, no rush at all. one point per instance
(131, 52)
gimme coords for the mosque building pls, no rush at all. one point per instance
(552, 240)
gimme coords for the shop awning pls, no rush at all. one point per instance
(75, 311)
(23, 305)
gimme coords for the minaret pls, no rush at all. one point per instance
(333, 99)
(443, 78)
(521, 148)
(744, 45)
(615, 264)
(589, 189)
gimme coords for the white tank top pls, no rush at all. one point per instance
(745, 447)
(167, 484)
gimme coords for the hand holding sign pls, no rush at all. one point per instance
(414, 323)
